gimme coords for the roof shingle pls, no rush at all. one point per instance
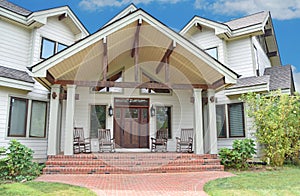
(280, 77)
(247, 21)
(14, 8)
(15, 74)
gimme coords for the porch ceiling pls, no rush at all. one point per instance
(154, 46)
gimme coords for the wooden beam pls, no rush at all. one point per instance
(105, 59)
(217, 84)
(199, 26)
(272, 54)
(103, 84)
(62, 16)
(167, 71)
(268, 32)
(136, 40)
(164, 58)
(50, 78)
(135, 51)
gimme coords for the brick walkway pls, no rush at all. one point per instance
(140, 184)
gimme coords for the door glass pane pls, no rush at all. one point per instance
(221, 121)
(48, 48)
(98, 119)
(236, 120)
(163, 119)
(38, 119)
(17, 117)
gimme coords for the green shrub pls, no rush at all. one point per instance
(277, 120)
(237, 157)
(17, 165)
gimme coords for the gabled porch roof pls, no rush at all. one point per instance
(132, 42)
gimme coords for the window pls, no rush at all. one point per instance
(20, 115)
(163, 119)
(233, 116)
(148, 79)
(221, 121)
(98, 119)
(50, 47)
(38, 119)
(236, 120)
(114, 78)
(17, 117)
(213, 52)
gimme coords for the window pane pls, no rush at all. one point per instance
(98, 119)
(48, 48)
(17, 117)
(236, 120)
(60, 47)
(221, 121)
(38, 119)
(163, 119)
(213, 52)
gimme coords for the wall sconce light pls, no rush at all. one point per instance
(212, 99)
(152, 111)
(110, 111)
(54, 95)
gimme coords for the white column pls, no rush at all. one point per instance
(212, 125)
(70, 109)
(53, 120)
(198, 121)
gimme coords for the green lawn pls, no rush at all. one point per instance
(285, 181)
(42, 189)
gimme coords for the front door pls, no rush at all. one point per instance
(131, 123)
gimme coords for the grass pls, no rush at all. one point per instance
(42, 189)
(285, 181)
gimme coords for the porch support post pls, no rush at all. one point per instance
(53, 120)
(212, 127)
(198, 121)
(70, 109)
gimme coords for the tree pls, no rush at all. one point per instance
(277, 120)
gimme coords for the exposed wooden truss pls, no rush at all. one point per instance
(105, 59)
(135, 50)
(165, 57)
(103, 84)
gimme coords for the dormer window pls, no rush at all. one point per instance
(50, 47)
(213, 52)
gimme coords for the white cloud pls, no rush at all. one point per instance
(98, 4)
(280, 9)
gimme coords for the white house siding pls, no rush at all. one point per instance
(181, 107)
(39, 146)
(14, 52)
(240, 58)
(54, 30)
(206, 39)
(263, 60)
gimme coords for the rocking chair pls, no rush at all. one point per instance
(185, 140)
(161, 139)
(105, 140)
(80, 143)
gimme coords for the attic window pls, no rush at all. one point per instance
(50, 47)
(118, 77)
(148, 79)
(213, 52)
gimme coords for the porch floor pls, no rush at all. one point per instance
(131, 163)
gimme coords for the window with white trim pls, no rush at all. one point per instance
(50, 47)
(230, 120)
(213, 52)
(26, 111)
(163, 119)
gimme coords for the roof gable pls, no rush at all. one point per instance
(139, 16)
(129, 9)
(14, 8)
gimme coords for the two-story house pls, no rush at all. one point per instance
(133, 76)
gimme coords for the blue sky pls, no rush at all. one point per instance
(176, 13)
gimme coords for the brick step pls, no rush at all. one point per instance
(131, 170)
(141, 156)
(150, 162)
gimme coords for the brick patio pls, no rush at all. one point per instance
(190, 183)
